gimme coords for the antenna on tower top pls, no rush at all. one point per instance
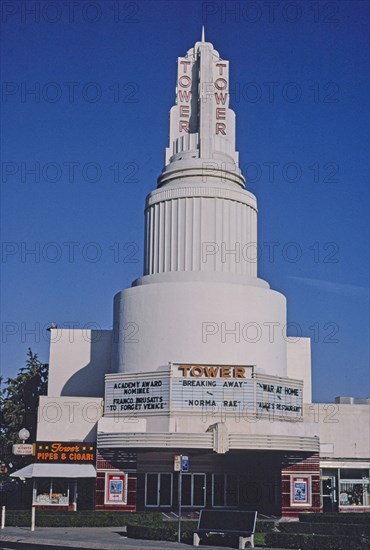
(203, 39)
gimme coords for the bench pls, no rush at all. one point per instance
(227, 522)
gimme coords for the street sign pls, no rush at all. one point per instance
(23, 449)
(184, 463)
(177, 463)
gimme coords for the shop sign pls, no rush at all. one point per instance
(23, 449)
(115, 488)
(65, 452)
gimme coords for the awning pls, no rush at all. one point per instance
(56, 470)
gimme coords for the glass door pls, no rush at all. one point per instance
(225, 491)
(329, 494)
(158, 490)
(193, 490)
(199, 490)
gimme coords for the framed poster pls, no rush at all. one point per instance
(115, 488)
(300, 491)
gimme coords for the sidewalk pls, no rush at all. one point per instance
(100, 538)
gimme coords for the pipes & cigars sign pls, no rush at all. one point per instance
(65, 452)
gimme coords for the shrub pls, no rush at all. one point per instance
(168, 532)
(152, 533)
(351, 517)
(324, 528)
(89, 518)
(315, 542)
(265, 526)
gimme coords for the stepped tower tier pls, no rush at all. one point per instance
(200, 212)
(200, 251)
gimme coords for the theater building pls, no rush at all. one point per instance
(198, 362)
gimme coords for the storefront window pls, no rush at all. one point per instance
(51, 492)
(354, 487)
(354, 492)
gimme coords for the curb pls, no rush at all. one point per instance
(87, 545)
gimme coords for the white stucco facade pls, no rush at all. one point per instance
(198, 358)
(78, 361)
(68, 418)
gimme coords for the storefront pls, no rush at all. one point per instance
(243, 478)
(345, 486)
(63, 475)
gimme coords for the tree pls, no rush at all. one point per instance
(19, 401)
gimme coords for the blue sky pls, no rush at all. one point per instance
(94, 131)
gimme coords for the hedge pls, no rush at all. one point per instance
(45, 518)
(265, 526)
(324, 528)
(167, 532)
(351, 517)
(152, 533)
(315, 542)
(90, 518)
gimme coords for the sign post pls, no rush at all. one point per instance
(179, 525)
(181, 464)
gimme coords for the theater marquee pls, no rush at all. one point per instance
(187, 388)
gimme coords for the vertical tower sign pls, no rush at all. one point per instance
(201, 120)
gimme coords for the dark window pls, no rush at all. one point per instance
(193, 489)
(225, 491)
(158, 490)
(199, 481)
(186, 490)
(151, 490)
(232, 495)
(165, 490)
(218, 490)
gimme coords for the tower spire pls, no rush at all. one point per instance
(202, 126)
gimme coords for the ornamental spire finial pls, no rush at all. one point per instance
(203, 37)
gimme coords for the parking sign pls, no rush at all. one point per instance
(184, 463)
